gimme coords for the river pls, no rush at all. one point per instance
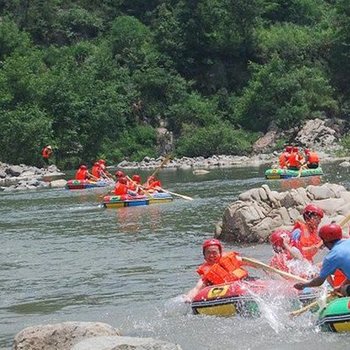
(64, 258)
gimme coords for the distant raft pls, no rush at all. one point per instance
(335, 317)
(275, 174)
(111, 201)
(83, 184)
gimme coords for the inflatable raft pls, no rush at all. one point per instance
(238, 298)
(335, 317)
(274, 174)
(83, 184)
(112, 201)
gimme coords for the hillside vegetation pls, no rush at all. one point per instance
(94, 78)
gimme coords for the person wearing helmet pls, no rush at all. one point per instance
(338, 258)
(304, 234)
(295, 160)
(83, 174)
(287, 257)
(122, 187)
(119, 174)
(312, 159)
(218, 267)
(135, 184)
(284, 157)
(153, 184)
(103, 170)
(96, 170)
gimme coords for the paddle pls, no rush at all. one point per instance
(177, 194)
(311, 305)
(137, 185)
(259, 264)
(164, 162)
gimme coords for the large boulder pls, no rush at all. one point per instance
(60, 336)
(259, 211)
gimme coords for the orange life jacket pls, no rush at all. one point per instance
(81, 174)
(154, 185)
(46, 153)
(313, 158)
(228, 269)
(283, 159)
(120, 189)
(96, 171)
(294, 160)
(307, 240)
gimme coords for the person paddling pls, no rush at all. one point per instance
(338, 258)
(104, 173)
(83, 174)
(153, 184)
(304, 234)
(312, 159)
(217, 268)
(122, 188)
(284, 157)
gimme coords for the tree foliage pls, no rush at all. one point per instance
(95, 78)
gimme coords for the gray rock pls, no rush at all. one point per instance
(60, 336)
(124, 343)
(14, 170)
(58, 183)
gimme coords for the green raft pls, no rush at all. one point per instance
(274, 174)
(335, 317)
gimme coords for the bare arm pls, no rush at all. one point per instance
(194, 291)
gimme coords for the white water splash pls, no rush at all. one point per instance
(177, 306)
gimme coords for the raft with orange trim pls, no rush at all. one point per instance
(83, 184)
(239, 298)
(335, 317)
(112, 201)
(275, 174)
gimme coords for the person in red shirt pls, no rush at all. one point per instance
(153, 184)
(96, 170)
(295, 160)
(122, 188)
(312, 159)
(283, 159)
(104, 173)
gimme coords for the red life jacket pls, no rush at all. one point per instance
(294, 160)
(283, 159)
(313, 158)
(96, 171)
(307, 240)
(46, 153)
(228, 269)
(120, 189)
(81, 174)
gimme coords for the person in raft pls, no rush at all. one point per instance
(304, 234)
(338, 258)
(217, 268)
(295, 160)
(46, 154)
(287, 256)
(83, 174)
(153, 184)
(284, 157)
(122, 188)
(312, 159)
(135, 184)
(104, 172)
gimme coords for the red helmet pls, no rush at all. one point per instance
(210, 242)
(330, 232)
(83, 167)
(102, 161)
(136, 178)
(307, 151)
(123, 180)
(313, 209)
(289, 149)
(96, 164)
(276, 238)
(295, 149)
(119, 174)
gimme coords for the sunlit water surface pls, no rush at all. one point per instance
(64, 258)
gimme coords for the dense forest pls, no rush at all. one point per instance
(94, 78)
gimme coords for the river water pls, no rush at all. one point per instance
(64, 258)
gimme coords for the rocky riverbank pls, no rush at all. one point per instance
(24, 177)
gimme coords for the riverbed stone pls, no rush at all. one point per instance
(252, 219)
(124, 343)
(60, 336)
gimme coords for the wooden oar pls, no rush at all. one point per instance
(163, 163)
(177, 194)
(311, 305)
(345, 221)
(137, 185)
(259, 264)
